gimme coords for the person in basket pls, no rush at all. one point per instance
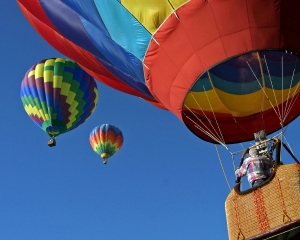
(256, 167)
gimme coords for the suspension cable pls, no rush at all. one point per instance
(264, 91)
(222, 167)
(288, 98)
(293, 101)
(206, 116)
(288, 143)
(272, 89)
(207, 131)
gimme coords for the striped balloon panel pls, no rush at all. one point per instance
(106, 139)
(112, 34)
(246, 94)
(58, 95)
(157, 49)
(239, 89)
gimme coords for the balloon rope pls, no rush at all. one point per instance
(291, 103)
(288, 144)
(212, 108)
(222, 167)
(220, 137)
(207, 132)
(281, 143)
(272, 89)
(171, 5)
(288, 98)
(282, 94)
(263, 82)
(265, 91)
(233, 163)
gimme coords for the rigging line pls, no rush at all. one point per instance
(288, 144)
(206, 116)
(263, 81)
(171, 5)
(237, 152)
(222, 167)
(233, 163)
(294, 99)
(207, 129)
(263, 90)
(207, 132)
(277, 135)
(282, 93)
(212, 108)
(281, 143)
(272, 89)
(264, 87)
(208, 73)
(288, 97)
(291, 106)
(211, 136)
(242, 146)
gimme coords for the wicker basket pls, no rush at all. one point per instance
(273, 205)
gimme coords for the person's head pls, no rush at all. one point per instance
(253, 152)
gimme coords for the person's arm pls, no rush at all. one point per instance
(242, 171)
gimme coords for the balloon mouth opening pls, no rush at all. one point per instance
(211, 119)
(105, 156)
(53, 130)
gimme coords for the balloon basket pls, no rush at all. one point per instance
(52, 142)
(268, 211)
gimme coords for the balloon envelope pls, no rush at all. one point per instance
(106, 140)
(193, 57)
(58, 95)
(246, 94)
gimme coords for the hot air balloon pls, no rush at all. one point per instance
(205, 61)
(226, 69)
(58, 95)
(106, 140)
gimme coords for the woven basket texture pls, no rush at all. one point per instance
(267, 207)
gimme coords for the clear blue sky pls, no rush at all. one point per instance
(164, 184)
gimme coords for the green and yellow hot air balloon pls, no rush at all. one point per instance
(58, 95)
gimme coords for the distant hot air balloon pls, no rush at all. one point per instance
(58, 96)
(106, 140)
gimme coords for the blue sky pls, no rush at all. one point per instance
(165, 183)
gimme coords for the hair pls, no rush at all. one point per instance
(253, 151)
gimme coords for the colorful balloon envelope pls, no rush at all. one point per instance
(219, 66)
(106, 140)
(58, 95)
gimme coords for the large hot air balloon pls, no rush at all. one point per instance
(227, 69)
(58, 95)
(106, 140)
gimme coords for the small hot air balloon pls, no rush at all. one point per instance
(106, 140)
(58, 95)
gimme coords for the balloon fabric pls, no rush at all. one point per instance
(219, 66)
(106, 140)
(58, 95)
